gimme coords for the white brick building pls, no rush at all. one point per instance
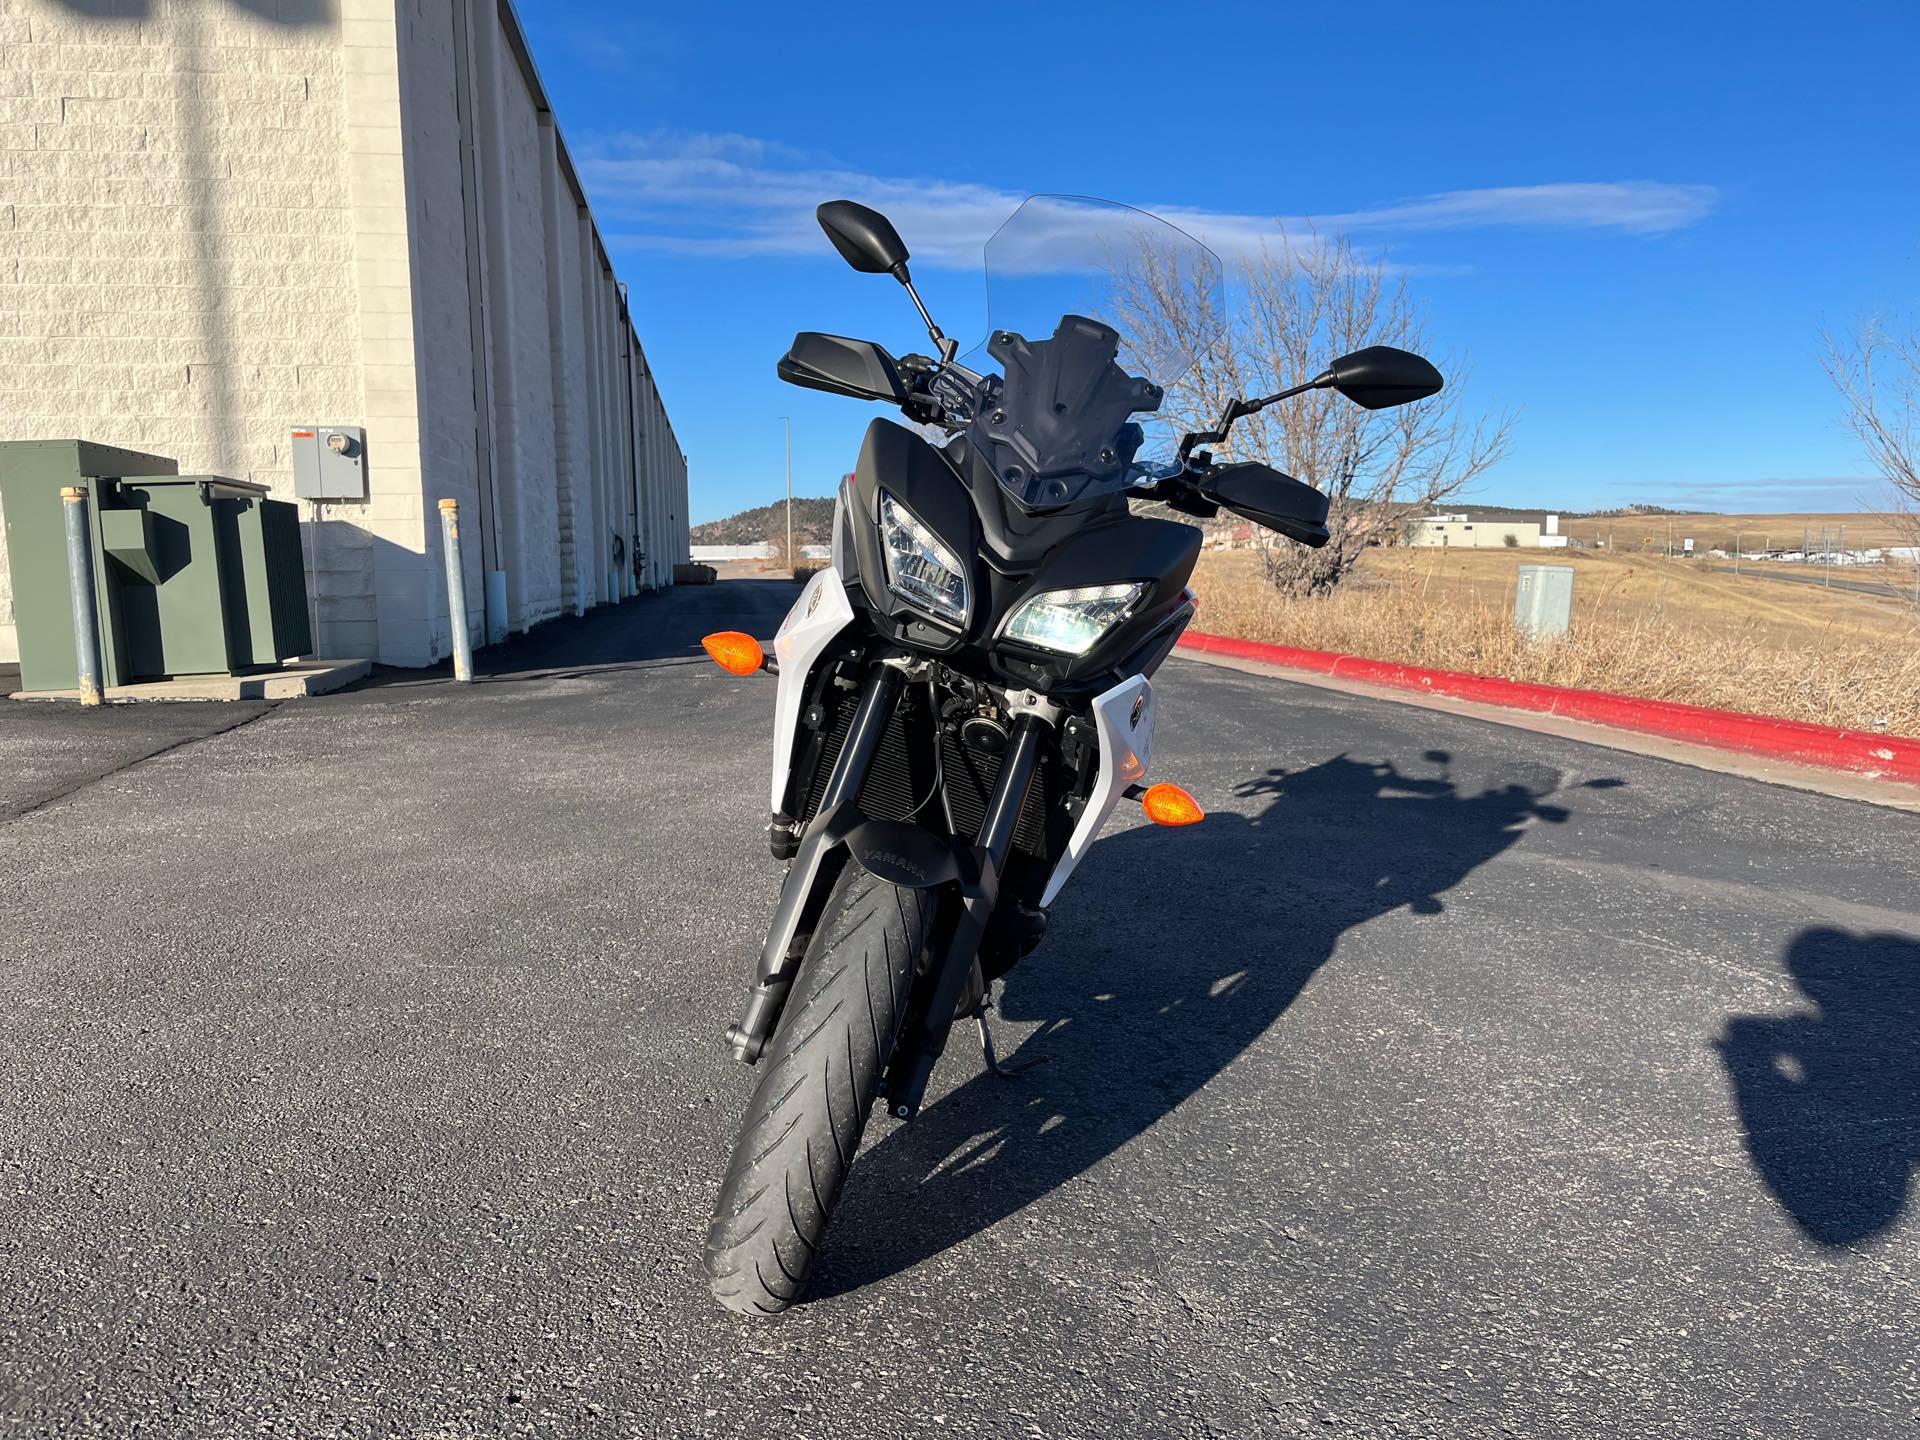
(224, 219)
(1464, 531)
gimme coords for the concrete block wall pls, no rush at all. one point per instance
(454, 447)
(529, 492)
(177, 273)
(383, 539)
(560, 475)
(567, 369)
(221, 224)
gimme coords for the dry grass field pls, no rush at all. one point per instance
(1642, 625)
(1651, 533)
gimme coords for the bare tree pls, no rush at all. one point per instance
(1877, 373)
(1304, 302)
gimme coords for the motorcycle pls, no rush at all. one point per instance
(964, 696)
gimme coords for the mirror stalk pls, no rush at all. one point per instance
(1238, 409)
(947, 348)
(1376, 378)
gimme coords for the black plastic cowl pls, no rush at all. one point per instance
(1057, 424)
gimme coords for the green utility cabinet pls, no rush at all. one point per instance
(194, 574)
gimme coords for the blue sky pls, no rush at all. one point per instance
(1634, 219)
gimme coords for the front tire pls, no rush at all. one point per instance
(817, 1085)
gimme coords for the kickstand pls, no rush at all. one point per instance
(1005, 1070)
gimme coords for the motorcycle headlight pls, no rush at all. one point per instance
(920, 567)
(1071, 622)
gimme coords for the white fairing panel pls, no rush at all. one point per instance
(839, 516)
(1123, 720)
(821, 612)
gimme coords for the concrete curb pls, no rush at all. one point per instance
(294, 680)
(1889, 757)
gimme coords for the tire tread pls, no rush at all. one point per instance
(781, 1188)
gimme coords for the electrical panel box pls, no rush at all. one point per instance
(1543, 601)
(330, 462)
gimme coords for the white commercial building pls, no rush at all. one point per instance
(1463, 530)
(223, 221)
(706, 554)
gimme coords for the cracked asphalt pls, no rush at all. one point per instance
(361, 1074)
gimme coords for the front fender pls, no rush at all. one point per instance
(904, 854)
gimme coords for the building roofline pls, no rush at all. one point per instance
(516, 35)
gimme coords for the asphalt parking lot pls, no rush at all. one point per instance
(363, 1076)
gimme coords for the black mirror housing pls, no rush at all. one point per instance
(841, 366)
(1380, 377)
(865, 238)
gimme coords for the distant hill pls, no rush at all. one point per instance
(1493, 512)
(1639, 510)
(812, 525)
(813, 519)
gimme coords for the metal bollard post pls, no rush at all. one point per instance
(456, 592)
(86, 611)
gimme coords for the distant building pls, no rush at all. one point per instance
(1237, 536)
(226, 224)
(1506, 532)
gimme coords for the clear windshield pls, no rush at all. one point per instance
(1069, 255)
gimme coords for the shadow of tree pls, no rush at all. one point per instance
(1184, 950)
(1830, 1098)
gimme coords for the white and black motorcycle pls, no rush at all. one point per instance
(966, 694)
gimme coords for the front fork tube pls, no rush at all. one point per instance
(838, 811)
(920, 1048)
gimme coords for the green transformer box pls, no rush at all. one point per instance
(195, 574)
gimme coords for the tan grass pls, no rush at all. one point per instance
(1864, 675)
(1859, 529)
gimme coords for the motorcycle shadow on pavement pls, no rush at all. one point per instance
(1176, 955)
(1830, 1097)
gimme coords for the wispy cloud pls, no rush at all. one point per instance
(1834, 493)
(1637, 207)
(634, 46)
(727, 196)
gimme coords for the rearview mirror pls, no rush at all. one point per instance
(865, 238)
(1380, 376)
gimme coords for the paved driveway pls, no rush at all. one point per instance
(363, 1076)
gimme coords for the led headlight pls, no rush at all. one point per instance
(1070, 622)
(920, 567)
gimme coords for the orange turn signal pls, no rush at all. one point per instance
(1170, 805)
(735, 653)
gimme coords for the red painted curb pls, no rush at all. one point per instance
(1885, 756)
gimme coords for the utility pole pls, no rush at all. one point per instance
(792, 562)
(1736, 552)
